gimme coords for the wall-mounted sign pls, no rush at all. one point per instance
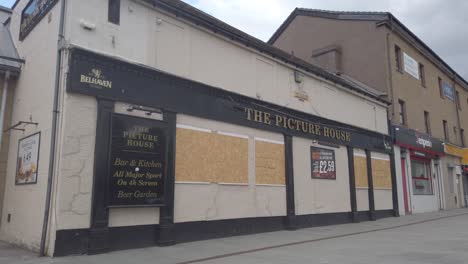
(97, 75)
(411, 66)
(323, 163)
(32, 14)
(28, 160)
(448, 90)
(418, 141)
(137, 162)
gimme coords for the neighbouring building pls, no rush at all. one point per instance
(429, 99)
(10, 65)
(153, 123)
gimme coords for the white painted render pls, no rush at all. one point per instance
(172, 45)
(32, 101)
(316, 196)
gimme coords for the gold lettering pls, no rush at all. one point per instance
(258, 116)
(249, 113)
(291, 123)
(267, 118)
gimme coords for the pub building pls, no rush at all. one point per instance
(160, 124)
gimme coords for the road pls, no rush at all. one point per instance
(437, 238)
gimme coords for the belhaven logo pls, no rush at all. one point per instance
(423, 142)
(96, 79)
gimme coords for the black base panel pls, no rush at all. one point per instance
(75, 242)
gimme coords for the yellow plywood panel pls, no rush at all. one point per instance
(210, 157)
(269, 163)
(360, 172)
(381, 174)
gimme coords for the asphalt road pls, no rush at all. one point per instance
(431, 238)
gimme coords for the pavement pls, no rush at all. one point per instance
(440, 237)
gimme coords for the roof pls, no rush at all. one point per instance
(9, 58)
(4, 14)
(381, 18)
(202, 19)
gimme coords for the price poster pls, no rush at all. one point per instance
(323, 163)
(27, 160)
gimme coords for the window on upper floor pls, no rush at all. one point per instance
(32, 14)
(455, 132)
(441, 89)
(114, 12)
(398, 59)
(446, 129)
(427, 122)
(422, 74)
(402, 112)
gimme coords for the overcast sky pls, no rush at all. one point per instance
(441, 24)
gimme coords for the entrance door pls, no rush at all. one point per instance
(459, 192)
(405, 186)
(465, 188)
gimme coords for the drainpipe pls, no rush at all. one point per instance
(53, 140)
(3, 105)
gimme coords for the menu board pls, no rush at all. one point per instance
(137, 162)
(27, 160)
(323, 163)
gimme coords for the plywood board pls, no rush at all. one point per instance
(360, 172)
(381, 174)
(269, 163)
(210, 157)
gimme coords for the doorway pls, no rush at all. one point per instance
(405, 186)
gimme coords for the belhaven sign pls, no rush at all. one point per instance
(137, 162)
(96, 79)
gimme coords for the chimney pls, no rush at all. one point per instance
(328, 58)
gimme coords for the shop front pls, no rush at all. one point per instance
(455, 182)
(419, 171)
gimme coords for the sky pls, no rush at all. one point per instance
(441, 24)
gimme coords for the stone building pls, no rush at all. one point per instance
(429, 99)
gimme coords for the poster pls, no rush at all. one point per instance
(323, 163)
(27, 160)
(137, 161)
(411, 66)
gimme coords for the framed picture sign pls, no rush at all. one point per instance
(323, 163)
(28, 159)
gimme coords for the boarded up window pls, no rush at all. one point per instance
(269, 163)
(360, 172)
(210, 157)
(381, 174)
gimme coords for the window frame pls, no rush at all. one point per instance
(113, 12)
(441, 89)
(446, 130)
(427, 122)
(402, 112)
(422, 75)
(398, 59)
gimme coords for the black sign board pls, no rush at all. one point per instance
(418, 141)
(96, 75)
(137, 162)
(323, 163)
(33, 13)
